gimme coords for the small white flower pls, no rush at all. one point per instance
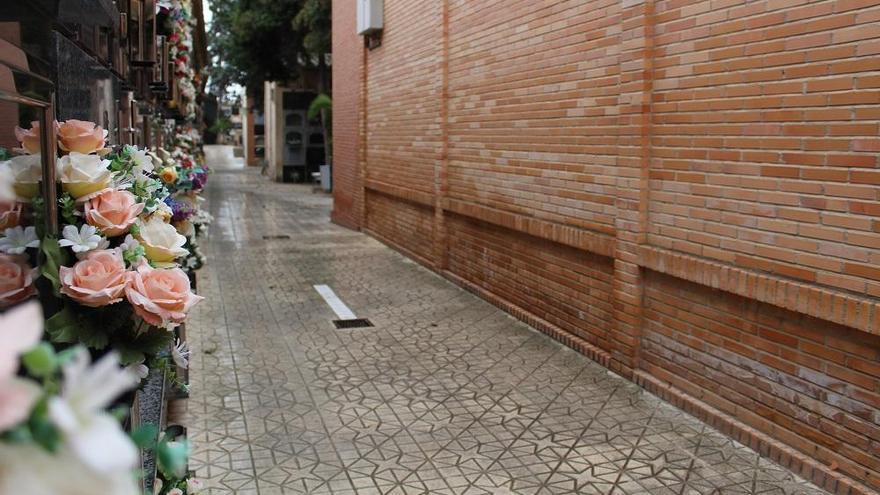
(130, 243)
(180, 354)
(83, 240)
(175, 491)
(16, 240)
(94, 436)
(143, 163)
(128, 248)
(140, 369)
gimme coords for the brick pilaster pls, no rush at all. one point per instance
(634, 104)
(441, 179)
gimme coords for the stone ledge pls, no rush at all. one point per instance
(826, 304)
(420, 198)
(599, 241)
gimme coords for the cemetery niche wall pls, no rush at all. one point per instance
(101, 170)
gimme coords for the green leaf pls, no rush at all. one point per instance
(63, 326)
(171, 458)
(75, 324)
(135, 347)
(53, 258)
(44, 432)
(41, 360)
(145, 436)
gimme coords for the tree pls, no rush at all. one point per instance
(322, 105)
(314, 20)
(254, 41)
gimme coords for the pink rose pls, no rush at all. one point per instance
(22, 328)
(16, 279)
(10, 214)
(113, 211)
(97, 280)
(29, 138)
(81, 136)
(160, 296)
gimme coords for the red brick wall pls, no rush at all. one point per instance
(404, 224)
(687, 189)
(564, 286)
(812, 383)
(532, 112)
(765, 137)
(347, 75)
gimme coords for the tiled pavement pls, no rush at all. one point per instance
(445, 395)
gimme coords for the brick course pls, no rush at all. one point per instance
(684, 190)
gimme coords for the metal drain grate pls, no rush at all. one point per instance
(275, 237)
(357, 323)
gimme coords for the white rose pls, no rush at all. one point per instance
(161, 242)
(175, 491)
(27, 172)
(82, 175)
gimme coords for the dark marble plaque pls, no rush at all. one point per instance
(86, 90)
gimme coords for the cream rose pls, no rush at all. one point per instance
(161, 241)
(97, 280)
(16, 279)
(27, 172)
(81, 137)
(82, 175)
(29, 138)
(113, 211)
(10, 214)
(162, 297)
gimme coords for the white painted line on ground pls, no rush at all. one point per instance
(336, 304)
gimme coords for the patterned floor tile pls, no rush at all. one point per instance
(445, 395)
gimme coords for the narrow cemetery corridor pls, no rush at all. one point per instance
(446, 394)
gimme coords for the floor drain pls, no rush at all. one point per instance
(357, 323)
(275, 237)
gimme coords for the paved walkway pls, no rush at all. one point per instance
(445, 395)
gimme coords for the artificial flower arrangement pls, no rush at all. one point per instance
(185, 176)
(114, 270)
(60, 429)
(179, 32)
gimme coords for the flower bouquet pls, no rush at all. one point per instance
(112, 278)
(60, 430)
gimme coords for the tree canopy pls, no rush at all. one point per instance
(252, 41)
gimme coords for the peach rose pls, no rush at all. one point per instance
(113, 212)
(16, 279)
(29, 138)
(81, 136)
(10, 214)
(162, 297)
(97, 280)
